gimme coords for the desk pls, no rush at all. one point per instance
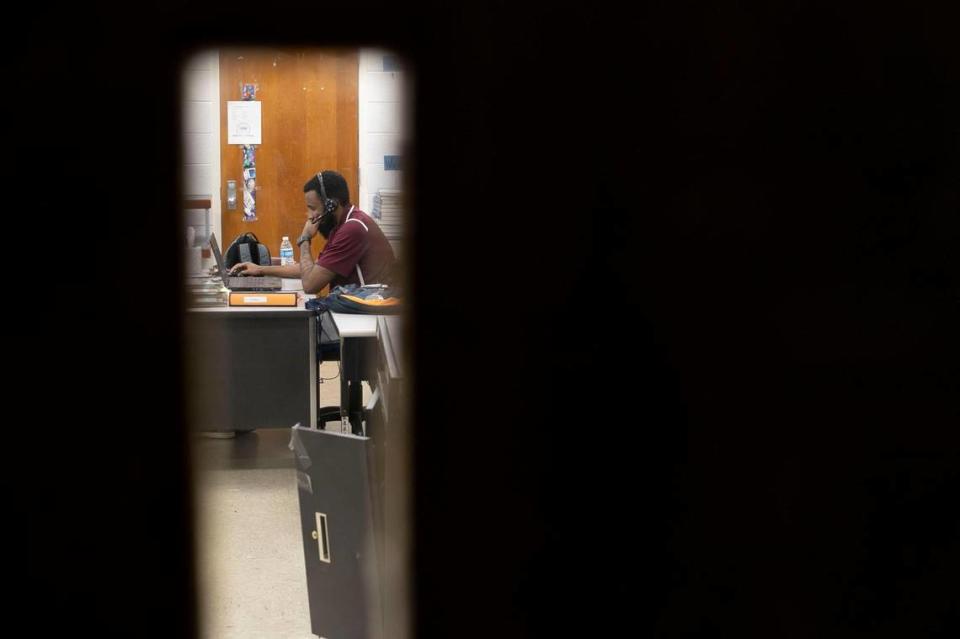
(390, 366)
(251, 367)
(358, 338)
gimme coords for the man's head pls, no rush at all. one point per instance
(337, 192)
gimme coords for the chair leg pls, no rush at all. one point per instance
(327, 414)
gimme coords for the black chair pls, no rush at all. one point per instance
(328, 350)
(354, 366)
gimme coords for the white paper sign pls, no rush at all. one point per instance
(243, 122)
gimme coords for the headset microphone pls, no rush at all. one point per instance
(329, 204)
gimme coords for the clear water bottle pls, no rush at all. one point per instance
(286, 251)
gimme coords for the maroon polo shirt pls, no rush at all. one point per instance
(357, 240)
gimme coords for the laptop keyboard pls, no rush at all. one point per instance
(255, 282)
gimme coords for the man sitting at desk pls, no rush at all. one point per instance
(356, 252)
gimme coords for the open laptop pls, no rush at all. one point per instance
(241, 283)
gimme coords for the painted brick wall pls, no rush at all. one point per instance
(382, 96)
(201, 138)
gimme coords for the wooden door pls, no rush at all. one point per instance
(309, 108)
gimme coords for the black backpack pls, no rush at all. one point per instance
(246, 248)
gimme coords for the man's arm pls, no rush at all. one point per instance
(288, 270)
(313, 277)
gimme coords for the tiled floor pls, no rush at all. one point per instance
(250, 563)
(250, 560)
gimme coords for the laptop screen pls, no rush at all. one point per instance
(215, 248)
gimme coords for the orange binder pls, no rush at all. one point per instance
(262, 298)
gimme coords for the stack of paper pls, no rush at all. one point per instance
(205, 291)
(388, 211)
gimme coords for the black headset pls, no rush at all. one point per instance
(329, 204)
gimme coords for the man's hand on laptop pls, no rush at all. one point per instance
(246, 268)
